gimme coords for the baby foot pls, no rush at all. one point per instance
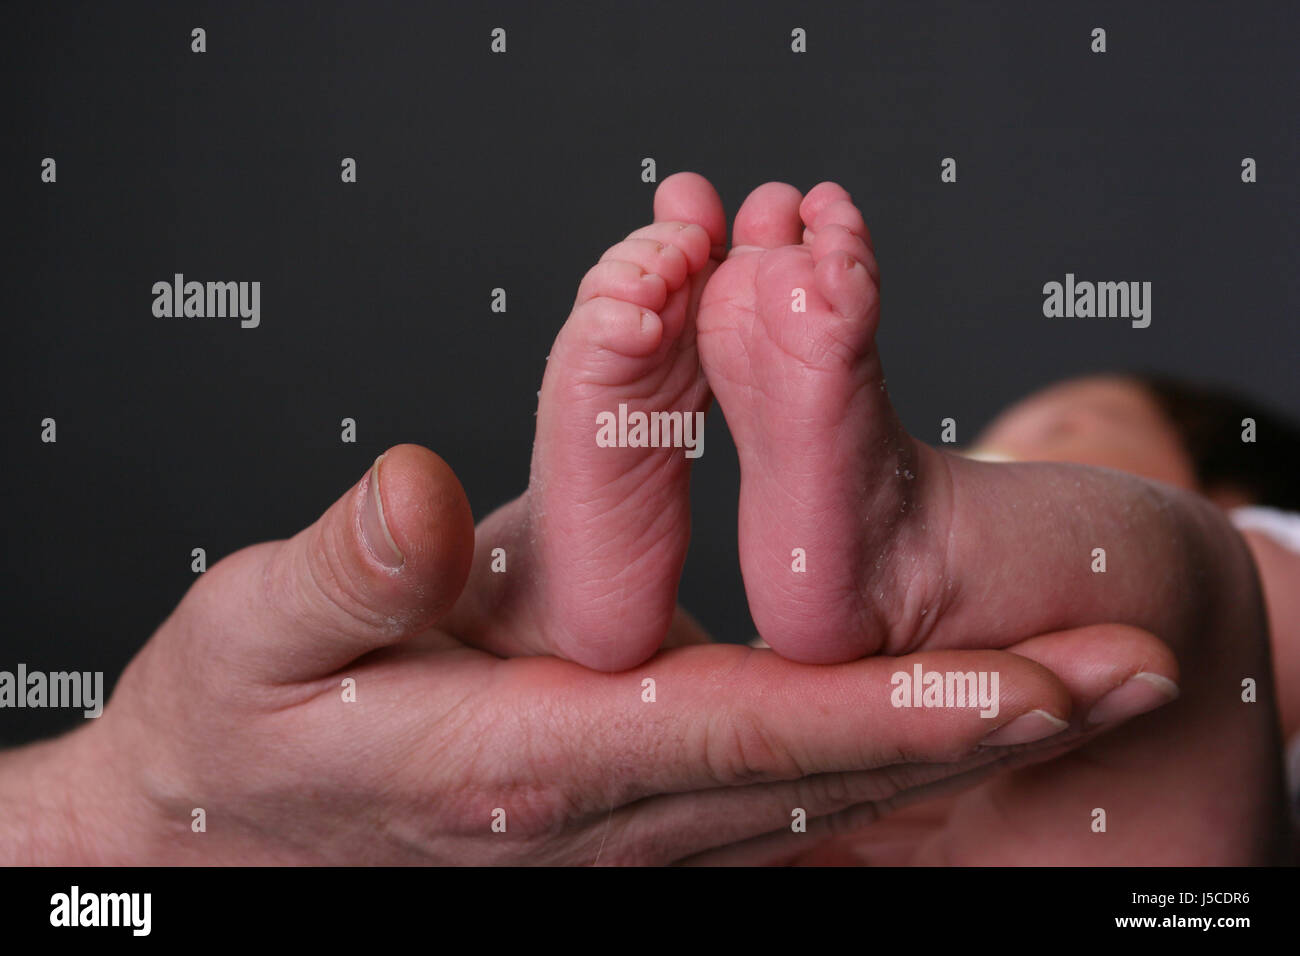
(836, 540)
(607, 512)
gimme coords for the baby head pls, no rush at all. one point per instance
(1161, 428)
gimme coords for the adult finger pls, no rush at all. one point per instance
(383, 563)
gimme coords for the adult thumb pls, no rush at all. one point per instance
(385, 562)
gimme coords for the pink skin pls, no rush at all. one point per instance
(615, 521)
(908, 547)
(825, 465)
(237, 705)
(1107, 421)
(595, 547)
(1113, 422)
(234, 704)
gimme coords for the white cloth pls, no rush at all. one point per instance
(1282, 526)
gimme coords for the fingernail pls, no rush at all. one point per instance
(981, 453)
(373, 526)
(1025, 729)
(1137, 695)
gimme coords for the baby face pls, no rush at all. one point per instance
(1109, 422)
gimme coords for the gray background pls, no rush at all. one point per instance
(478, 171)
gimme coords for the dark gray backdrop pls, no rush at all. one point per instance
(517, 170)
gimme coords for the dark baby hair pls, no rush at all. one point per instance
(1209, 421)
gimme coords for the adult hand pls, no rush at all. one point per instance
(302, 697)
